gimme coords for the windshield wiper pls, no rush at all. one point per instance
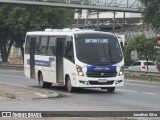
(110, 54)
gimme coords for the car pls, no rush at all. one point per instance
(142, 65)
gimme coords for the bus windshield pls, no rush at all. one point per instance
(98, 49)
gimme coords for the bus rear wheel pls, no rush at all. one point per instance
(42, 83)
(69, 85)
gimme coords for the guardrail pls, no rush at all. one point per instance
(149, 74)
(9, 66)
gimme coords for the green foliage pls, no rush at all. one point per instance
(19, 19)
(151, 12)
(16, 20)
(127, 51)
(144, 48)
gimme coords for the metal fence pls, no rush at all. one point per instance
(149, 74)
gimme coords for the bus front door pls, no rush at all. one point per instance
(32, 59)
(59, 59)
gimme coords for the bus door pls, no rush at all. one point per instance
(52, 59)
(59, 59)
(32, 59)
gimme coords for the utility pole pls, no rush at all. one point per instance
(97, 20)
(114, 22)
(124, 21)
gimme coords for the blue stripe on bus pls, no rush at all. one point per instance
(40, 63)
(101, 68)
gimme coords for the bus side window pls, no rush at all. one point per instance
(37, 45)
(43, 45)
(69, 50)
(27, 46)
(52, 46)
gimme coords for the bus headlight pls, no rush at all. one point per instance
(79, 70)
(121, 72)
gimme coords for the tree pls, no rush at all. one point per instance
(5, 43)
(127, 51)
(151, 12)
(17, 20)
(143, 46)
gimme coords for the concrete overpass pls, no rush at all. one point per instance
(100, 5)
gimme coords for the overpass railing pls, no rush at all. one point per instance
(111, 3)
(103, 5)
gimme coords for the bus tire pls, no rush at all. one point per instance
(69, 85)
(42, 83)
(110, 89)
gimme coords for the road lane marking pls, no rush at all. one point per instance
(141, 85)
(127, 90)
(13, 76)
(47, 95)
(70, 94)
(148, 93)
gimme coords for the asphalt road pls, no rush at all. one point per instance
(134, 96)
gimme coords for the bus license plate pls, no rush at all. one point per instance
(102, 80)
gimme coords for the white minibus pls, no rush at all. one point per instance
(74, 58)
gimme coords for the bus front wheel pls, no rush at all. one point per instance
(42, 83)
(69, 85)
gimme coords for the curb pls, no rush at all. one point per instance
(7, 66)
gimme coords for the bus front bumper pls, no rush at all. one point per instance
(98, 82)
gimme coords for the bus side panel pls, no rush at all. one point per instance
(27, 57)
(46, 65)
(27, 65)
(70, 69)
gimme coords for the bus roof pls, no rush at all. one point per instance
(66, 32)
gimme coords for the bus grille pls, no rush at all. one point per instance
(101, 83)
(106, 74)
